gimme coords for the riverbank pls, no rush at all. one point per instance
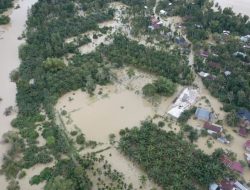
(9, 61)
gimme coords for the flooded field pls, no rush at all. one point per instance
(98, 118)
(119, 106)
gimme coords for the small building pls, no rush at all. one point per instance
(239, 186)
(227, 185)
(214, 186)
(223, 140)
(204, 115)
(243, 131)
(244, 114)
(235, 166)
(245, 38)
(185, 101)
(214, 65)
(246, 46)
(181, 41)
(198, 26)
(241, 54)
(162, 12)
(204, 54)
(226, 32)
(247, 146)
(155, 23)
(248, 158)
(203, 74)
(211, 77)
(227, 73)
(213, 128)
(31, 81)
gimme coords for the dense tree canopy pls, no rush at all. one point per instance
(169, 160)
(161, 86)
(5, 4)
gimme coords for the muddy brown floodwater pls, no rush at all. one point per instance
(119, 106)
(239, 6)
(9, 61)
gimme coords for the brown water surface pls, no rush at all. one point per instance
(239, 6)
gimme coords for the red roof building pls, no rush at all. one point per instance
(204, 54)
(247, 145)
(235, 166)
(214, 65)
(213, 127)
(227, 185)
(243, 131)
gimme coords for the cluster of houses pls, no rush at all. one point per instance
(230, 184)
(211, 64)
(185, 101)
(236, 167)
(233, 165)
(211, 128)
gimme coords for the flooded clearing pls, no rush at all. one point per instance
(119, 106)
(98, 118)
(113, 107)
(132, 172)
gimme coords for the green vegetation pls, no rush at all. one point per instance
(232, 119)
(4, 19)
(186, 115)
(171, 65)
(5, 4)
(233, 90)
(169, 160)
(203, 22)
(161, 86)
(13, 185)
(201, 19)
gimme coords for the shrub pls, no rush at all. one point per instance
(80, 139)
(4, 19)
(21, 175)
